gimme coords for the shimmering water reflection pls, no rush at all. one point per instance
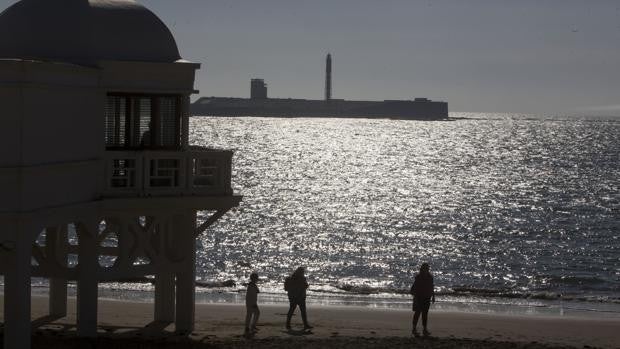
(499, 205)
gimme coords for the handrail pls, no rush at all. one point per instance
(198, 171)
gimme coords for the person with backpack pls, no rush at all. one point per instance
(296, 286)
(423, 291)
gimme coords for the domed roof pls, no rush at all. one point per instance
(84, 31)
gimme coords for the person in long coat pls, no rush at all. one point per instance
(423, 291)
(296, 286)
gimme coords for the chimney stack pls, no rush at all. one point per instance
(328, 77)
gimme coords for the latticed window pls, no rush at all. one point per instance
(123, 173)
(142, 122)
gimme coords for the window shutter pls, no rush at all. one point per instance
(168, 122)
(115, 112)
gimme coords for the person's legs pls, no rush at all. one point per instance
(427, 305)
(255, 317)
(416, 316)
(291, 309)
(304, 317)
(248, 317)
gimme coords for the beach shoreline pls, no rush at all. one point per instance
(144, 293)
(221, 325)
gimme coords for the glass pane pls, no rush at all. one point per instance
(144, 120)
(137, 121)
(168, 122)
(115, 118)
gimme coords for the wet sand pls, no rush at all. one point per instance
(129, 325)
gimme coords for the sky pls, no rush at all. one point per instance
(526, 56)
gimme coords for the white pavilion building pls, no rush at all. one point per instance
(97, 179)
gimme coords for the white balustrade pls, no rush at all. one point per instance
(198, 171)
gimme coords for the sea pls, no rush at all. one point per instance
(516, 214)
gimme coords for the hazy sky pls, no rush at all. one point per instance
(481, 56)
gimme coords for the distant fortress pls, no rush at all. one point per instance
(260, 105)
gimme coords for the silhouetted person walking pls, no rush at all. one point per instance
(423, 291)
(251, 305)
(296, 285)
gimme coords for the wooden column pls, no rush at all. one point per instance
(164, 296)
(87, 282)
(17, 328)
(184, 115)
(56, 249)
(186, 277)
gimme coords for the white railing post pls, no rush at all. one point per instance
(182, 173)
(145, 172)
(188, 171)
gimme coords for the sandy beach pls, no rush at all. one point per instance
(128, 325)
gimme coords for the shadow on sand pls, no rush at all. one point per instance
(292, 332)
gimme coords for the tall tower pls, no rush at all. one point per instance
(328, 77)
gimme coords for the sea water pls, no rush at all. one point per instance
(507, 209)
(514, 213)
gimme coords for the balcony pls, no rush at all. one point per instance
(194, 172)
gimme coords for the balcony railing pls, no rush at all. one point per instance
(197, 171)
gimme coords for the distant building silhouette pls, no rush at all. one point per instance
(328, 77)
(258, 89)
(260, 105)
